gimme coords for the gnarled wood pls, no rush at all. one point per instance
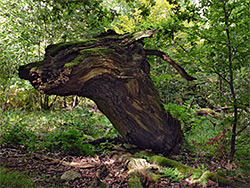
(113, 71)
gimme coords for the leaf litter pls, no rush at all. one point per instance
(47, 169)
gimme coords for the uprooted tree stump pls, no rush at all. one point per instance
(113, 71)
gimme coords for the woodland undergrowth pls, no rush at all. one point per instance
(72, 130)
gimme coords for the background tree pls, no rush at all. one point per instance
(223, 55)
(29, 26)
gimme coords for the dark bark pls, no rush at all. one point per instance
(113, 71)
(231, 82)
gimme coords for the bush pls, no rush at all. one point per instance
(13, 179)
(71, 141)
(17, 134)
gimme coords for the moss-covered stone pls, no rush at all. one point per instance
(70, 175)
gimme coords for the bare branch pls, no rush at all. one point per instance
(166, 58)
(243, 129)
(220, 75)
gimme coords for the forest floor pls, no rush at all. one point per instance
(46, 170)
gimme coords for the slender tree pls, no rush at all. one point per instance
(224, 51)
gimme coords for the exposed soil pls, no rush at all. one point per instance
(46, 169)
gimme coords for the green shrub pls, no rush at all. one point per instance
(16, 134)
(13, 179)
(71, 141)
(204, 135)
(64, 130)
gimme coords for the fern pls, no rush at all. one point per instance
(140, 155)
(171, 174)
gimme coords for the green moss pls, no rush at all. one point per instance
(75, 62)
(205, 175)
(52, 49)
(134, 181)
(198, 175)
(222, 181)
(96, 51)
(84, 53)
(163, 161)
(35, 66)
(184, 169)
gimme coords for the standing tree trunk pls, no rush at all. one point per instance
(113, 71)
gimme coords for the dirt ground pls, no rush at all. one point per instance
(46, 170)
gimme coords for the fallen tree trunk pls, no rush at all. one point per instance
(113, 71)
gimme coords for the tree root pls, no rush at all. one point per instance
(142, 172)
(197, 176)
(72, 164)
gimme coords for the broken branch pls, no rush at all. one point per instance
(166, 58)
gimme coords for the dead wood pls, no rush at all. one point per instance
(72, 164)
(114, 72)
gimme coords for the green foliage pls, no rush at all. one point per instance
(10, 179)
(209, 39)
(244, 167)
(186, 115)
(171, 174)
(57, 130)
(243, 146)
(206, 39)
(145, 14)
(181, 112)
(20, 95)
(17, 135)
(71, 141)
(240, 170)
(28, 27)
(198, 172)
(222, 28)
(140, 155)
(204, 135)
